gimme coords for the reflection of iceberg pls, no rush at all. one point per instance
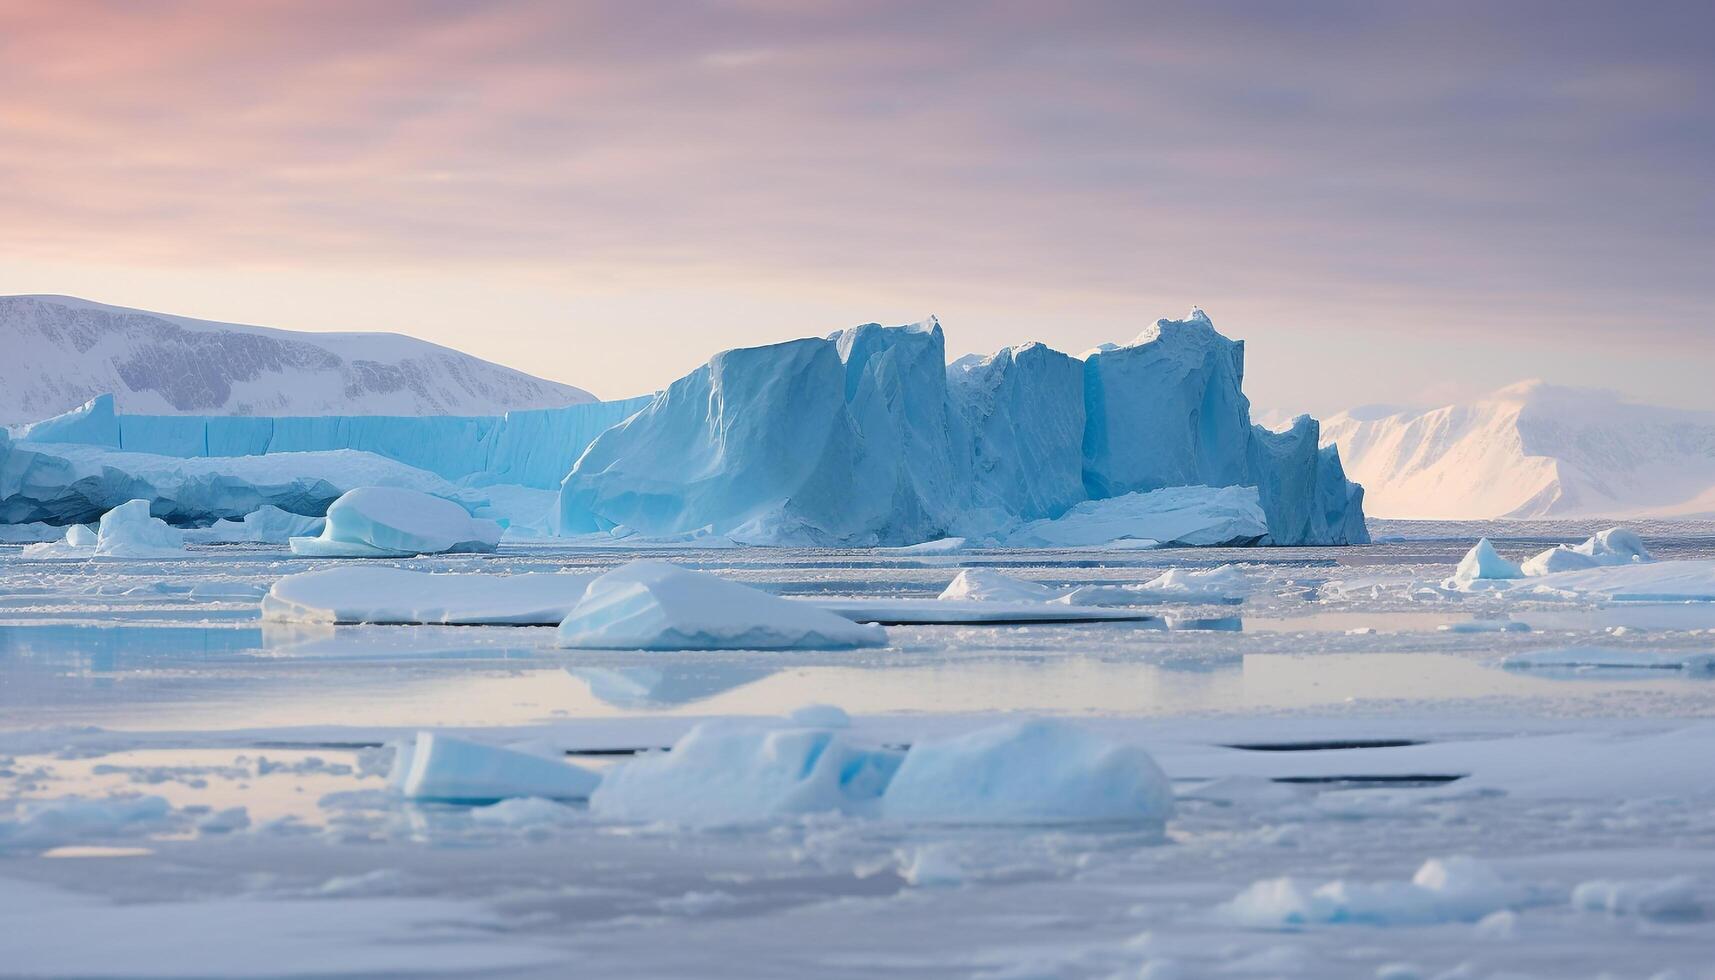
(665, 685)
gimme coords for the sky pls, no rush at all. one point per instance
(1407, 203)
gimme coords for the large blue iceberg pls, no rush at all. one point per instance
(867, 438)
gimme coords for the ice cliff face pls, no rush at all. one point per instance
(865, 438)
(65, 351)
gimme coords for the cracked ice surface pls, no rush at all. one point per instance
(186, 789)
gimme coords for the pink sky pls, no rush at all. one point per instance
(1390, 203)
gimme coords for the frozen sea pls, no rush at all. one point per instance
(188, 791)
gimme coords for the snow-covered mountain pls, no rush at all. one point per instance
(1530, 450)
(62, 351)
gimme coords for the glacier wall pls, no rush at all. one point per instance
(864, 438)
(533, 448)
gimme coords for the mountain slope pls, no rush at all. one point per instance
(63, 351)
(1531, 450)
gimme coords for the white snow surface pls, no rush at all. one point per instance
(1531, 450)
(393, 522)
(652, 605)
(372, 593)
(65, 351)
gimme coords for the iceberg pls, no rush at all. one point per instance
(441, 767)
(1190, 516)
(1031, 772)
(906, 450)
(731, 773)
(380, 594)
(393, 522)
(652, 605)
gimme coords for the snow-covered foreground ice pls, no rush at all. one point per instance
(1357, 791)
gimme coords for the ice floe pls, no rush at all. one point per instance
(393, 522)
(441, 767)
(1667, 898)
(652, 605)
(1594, 658)
(743, 772)
(371, 593)
(1029, 772)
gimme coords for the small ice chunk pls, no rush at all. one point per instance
(1224, 583)
(653, 605)
(441, 767)
(1031, 772)
(726, 773)
(1455, 889)
(933, 866)
(1669, 898)
(1482, 564)
(1615, 546)
(127, 531)
(81, 536)
(264, 525)
(393, 522)
(988, 585)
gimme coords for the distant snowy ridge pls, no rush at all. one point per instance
(1531, 450)
(62, 351)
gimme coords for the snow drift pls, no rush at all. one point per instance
(867, 438)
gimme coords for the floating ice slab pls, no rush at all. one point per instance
(1033, 772)
(651, 605)
(1560, 558)
(1685, 580)
(381, 594)
(265, 525)
(1615, 546)
(441, 767)
(988, 585)
(1456, 889)
(969, 612)
(371, 522)
(1192, 516)
(724, 773)
(127, 531)
(1590, 658)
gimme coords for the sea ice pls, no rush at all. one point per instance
(652, 605)
(1455, 889)
(382, 594)
(971, 612)
(1560, 558)
(441, 767)
(375, 522)
(1615, 546)
(1191, 516)
(41, 824)
(988, 585)
(723, 773)
(127, 531)
(1030, 772)
(1681, 580)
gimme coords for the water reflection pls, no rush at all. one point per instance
(635, 688)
